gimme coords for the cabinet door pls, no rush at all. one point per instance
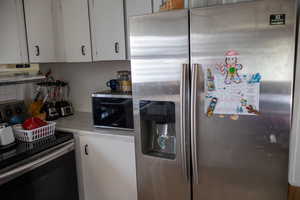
(76, 31)
(42, 20)
(12, 33)
(108, 34)
(157, 4)
(108, 167)
(205, 3)
(134, 8)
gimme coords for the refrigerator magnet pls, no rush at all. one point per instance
(210, 80)
(212, 107)
(234, 117)
(255, 78)
(230, 67)
(252, 110)
(221, 116)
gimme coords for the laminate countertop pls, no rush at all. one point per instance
(81, 122)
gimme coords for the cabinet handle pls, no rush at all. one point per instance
(86, 150)
(37, 48)
(117, 47)
(83, 50)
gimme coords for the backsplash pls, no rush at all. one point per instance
(85, 78)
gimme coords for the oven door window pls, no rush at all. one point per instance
(113, 112)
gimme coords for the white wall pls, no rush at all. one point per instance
(85, 78)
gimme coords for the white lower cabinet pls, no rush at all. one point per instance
(107, 165)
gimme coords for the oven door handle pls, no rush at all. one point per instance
(23, 167)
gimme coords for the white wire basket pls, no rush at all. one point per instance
(35, 134)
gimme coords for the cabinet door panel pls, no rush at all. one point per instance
(12, 33)
(108, 34)
(76, 31)
(42, 20)
(109, 167)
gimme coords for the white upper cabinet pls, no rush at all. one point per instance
(138, 7)
(43, 28)
(107, 25)
(76, 31)
(157, 4)
(13, 47)
(134, 8)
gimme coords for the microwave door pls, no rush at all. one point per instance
(113, 113)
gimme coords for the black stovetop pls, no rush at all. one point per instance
(22, 150)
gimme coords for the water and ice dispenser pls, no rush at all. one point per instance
(158, 128)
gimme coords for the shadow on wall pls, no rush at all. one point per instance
(85, 78)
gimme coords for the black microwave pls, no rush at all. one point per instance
(112, 110)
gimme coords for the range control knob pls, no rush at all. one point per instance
(1, 118)
(8, 112)
(18, 110)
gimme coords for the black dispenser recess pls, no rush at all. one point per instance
(158, 128)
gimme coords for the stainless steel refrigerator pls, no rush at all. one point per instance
(193, 138)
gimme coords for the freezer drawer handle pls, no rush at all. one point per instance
(184, 118)
(195, 73)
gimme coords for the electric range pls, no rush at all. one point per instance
(22, 150)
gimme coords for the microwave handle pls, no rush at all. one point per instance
(110, 103)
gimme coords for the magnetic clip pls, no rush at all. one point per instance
(212, 106)
(252, 110)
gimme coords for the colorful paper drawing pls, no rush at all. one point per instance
(232, 99)
(231, 67)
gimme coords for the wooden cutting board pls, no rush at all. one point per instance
(294, 193)
(172, 4)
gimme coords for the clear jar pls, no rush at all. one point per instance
(124, 80)
(124, 75)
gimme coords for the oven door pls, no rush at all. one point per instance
(113, 113)
(47, 176)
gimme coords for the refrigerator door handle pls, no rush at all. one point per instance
(184, 96)
(195, 74)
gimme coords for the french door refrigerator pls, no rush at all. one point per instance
(212, 95)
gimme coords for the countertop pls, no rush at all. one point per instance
(81, 122)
